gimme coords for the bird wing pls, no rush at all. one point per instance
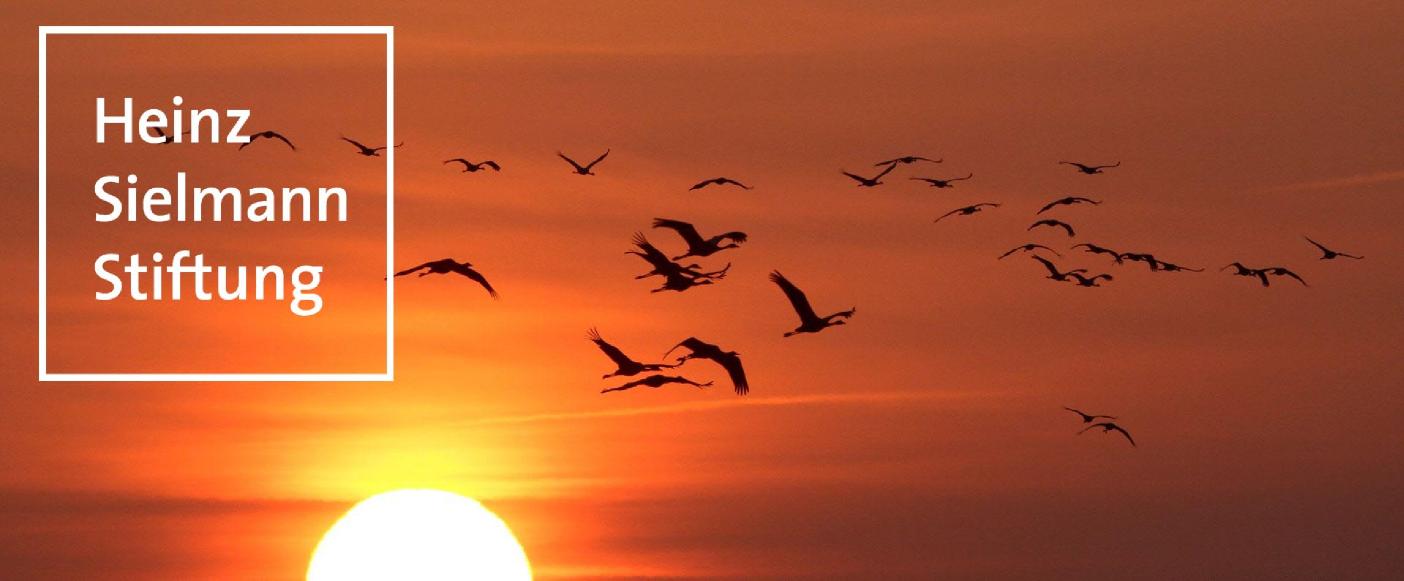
(731, 181)
(796, 296)
(1047, 264)
(1284, 272)
(610, 351)
(888, 162)
(857, 177)
(1117, 164)
(703, 184)
(968, 176)
(598, 159)
(279, 136)
(1317, 244)
(631, 384)
(687, 231)
(476, 276)
(692, 344)
(885, 172)
(947, 214)
(492, 164)
(1078, 412)
(465, 162)
(353, 142)
(570, 161)
(732, 363)
(417, 268)
(1067, 227)
(1048, 207)
(1123, 432)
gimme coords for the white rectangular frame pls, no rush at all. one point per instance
(389, 32)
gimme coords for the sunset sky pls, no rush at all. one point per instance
(925, 439)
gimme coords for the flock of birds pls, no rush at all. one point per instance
(679, 276)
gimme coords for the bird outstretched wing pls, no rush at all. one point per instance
(610, 351)
(796, 296)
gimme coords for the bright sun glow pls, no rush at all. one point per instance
(419, 535)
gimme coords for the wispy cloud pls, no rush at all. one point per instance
(707, 406)
(1367, 179)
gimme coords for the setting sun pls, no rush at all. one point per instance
(419, 535)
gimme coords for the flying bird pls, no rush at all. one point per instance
(1241, 270)
(1054, 224)
(1149, 259)
(1086, 417)
(729, 360)
(1095, 249)
(625, 365)
(368, 151)
(809, 321)
(873, 181)
(681, 281)
(657, 381)
(696, 244)
(447, 266)
(1109, 426)
(1090, 169)
(1029, 248)
(1328, 254)
(585, 170)
(268, 135)
(469, 167)
(1171, 267)
(1068, 201)
(1053, 271)
(942, 183)
(718, 182)
(906, 159)
(968, 210)
(665, 267)
(1280, 271)
(1088, 281)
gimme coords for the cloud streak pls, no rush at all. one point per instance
(878, 398)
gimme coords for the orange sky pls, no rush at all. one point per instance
(923, 440)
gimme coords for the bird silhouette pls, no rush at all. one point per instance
(1328, 254)
(268, 135)
(1068, 201)
(1053, 271)
(1095, 249)
(1086, 417)
(873, 181)
(729, 360)
(718, 182)
(968, 210)
(1088, 281)
(696, 244)
(447, 266)
(587, 169)
(368, 151)
(469, 167)
(1172, 267)
(906, 159)
(665, 267)
(1280, 271)
(1090, 169)
(1241, 270)
(1029, 248)
(1109, 426)
(1149, 259)
(657, 381)
(809, 321)
(942, 183)
(681, 281)
(625, 366)
(1054, 224)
